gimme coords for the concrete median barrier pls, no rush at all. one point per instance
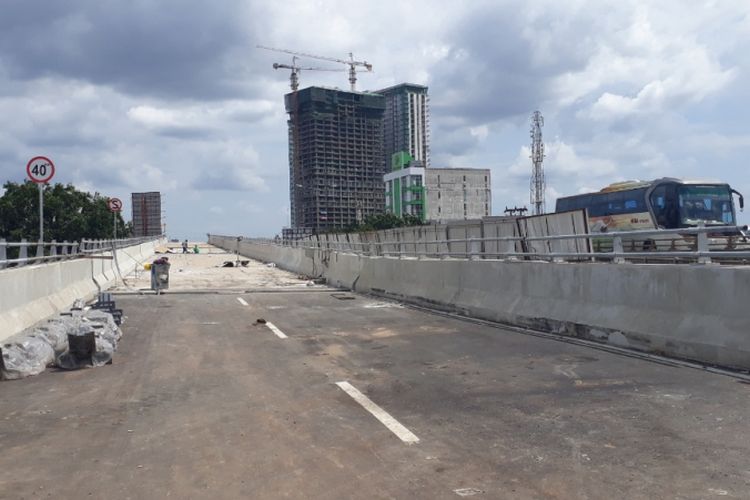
(30, 294)
(693, 312)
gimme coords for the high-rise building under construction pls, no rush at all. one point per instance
(406, 122)
(147, 214)
(336, 163)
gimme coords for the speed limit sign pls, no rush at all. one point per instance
(114, 204)
(40, 169)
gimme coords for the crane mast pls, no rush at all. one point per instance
(295, 71)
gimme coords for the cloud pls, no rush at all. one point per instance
(232, 167)
(229, 179)
(168, 123)
(165, 48)
(195, 121)
(563, 160)
(172, 95)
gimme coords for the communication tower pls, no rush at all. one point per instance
(538, 184)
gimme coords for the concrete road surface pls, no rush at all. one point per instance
(204, 271)
(342, 396)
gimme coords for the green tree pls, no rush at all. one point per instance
(69, 214)
(377, 222)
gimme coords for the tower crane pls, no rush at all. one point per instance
(294, 75)
(351, 62)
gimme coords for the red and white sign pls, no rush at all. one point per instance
(114, 204)
(40, 169)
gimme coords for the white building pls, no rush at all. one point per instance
(458, 193)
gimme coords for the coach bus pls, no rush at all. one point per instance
(660, 204)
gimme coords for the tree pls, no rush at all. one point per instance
(377, 222)
(69, 214)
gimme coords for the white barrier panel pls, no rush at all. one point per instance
(30, 294)
(691, 312)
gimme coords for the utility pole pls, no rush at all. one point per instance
(538, 184)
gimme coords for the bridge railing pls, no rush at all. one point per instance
(21, 253)
(699, 244)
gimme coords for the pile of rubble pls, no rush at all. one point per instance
(83, 337)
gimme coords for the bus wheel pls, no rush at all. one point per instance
(649, 246)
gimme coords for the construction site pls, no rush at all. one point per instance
(335, 152)
(147, 214)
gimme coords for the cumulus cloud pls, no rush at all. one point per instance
(166, 48)
(563, 160)
(231, 167)
(229, 179)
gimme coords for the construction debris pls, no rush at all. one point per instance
(229, 263)
(72, 340)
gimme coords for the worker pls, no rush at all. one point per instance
(185, 246)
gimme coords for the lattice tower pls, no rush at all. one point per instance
(538, 184)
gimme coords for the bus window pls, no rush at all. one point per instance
(659, 206)
(709, 204)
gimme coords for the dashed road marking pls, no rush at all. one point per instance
(385, 418)
(275, 330)
(467, 492)
(242, 301)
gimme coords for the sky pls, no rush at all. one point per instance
(174, 96)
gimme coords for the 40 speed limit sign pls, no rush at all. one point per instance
(40, 169)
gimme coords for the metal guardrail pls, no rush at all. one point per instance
(57, 251)
(475, 248)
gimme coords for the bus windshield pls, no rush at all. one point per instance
(709, 204)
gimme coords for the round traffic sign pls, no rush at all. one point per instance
(40, 169)
(114, 204)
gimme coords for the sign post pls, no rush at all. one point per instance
(114, 205)
(40, 171)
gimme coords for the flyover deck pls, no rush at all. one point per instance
(203, 402)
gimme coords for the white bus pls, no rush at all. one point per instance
(661, 204)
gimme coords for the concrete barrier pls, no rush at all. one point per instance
(693, 312)
(30, 294)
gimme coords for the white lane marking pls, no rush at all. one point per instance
(391, 423)
(467, 492)
(380, 305)
(242, 301)
(275, 330)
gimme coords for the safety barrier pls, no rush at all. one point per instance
(31, 292)
(691, 311)
(697, 243)
(56, 251)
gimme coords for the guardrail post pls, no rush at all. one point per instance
(53, 249)
(703, 257)
(617, 250)
(3, 253)
(474, 249)
(39, 252)
(65, 249)
(23, 252)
